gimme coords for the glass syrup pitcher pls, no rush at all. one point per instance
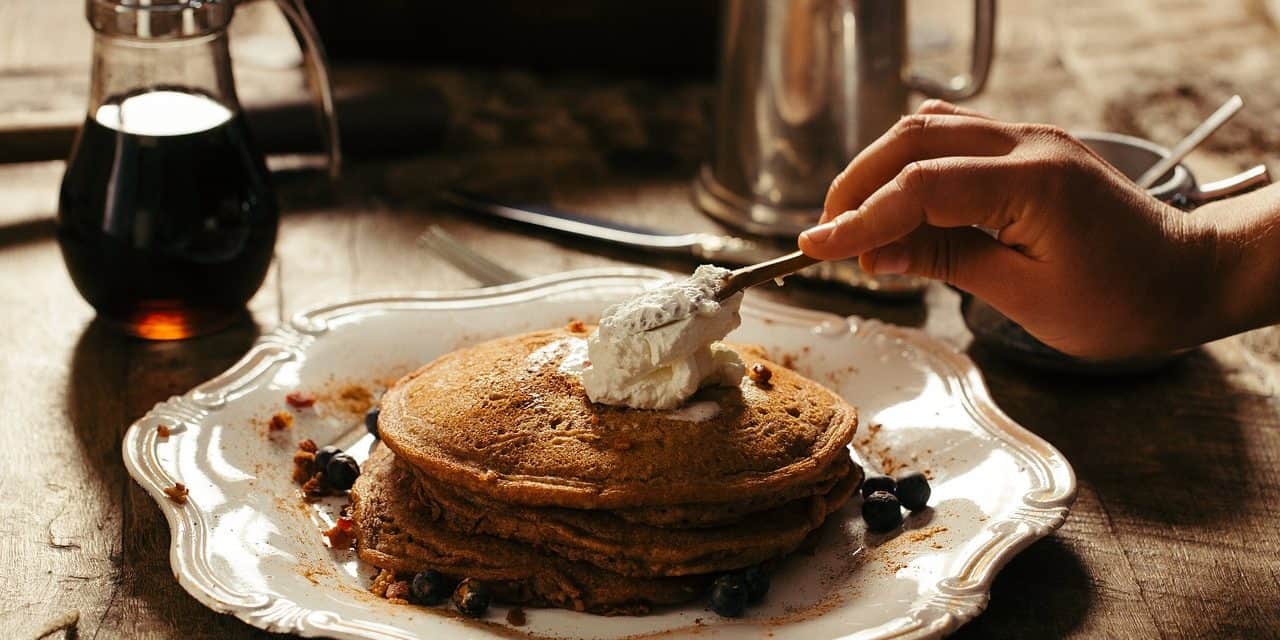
(166, 218)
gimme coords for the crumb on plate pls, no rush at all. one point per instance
(177, 493)
(380, 583)
(300, 399)
(280, 421)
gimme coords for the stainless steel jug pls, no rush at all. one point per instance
(804, 86)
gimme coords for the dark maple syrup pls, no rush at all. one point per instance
(166, 220)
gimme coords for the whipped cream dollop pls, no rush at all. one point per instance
(655, 350)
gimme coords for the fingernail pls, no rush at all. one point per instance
(820, 233)
(891, 259)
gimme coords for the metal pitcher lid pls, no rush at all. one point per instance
(158, 19)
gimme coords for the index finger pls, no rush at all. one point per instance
(913, 138)
(941, 192)
(942, 107)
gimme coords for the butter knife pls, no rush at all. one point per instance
(703, 247)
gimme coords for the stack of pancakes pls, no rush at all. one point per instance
(494, 465)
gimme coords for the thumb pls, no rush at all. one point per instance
(963, 256)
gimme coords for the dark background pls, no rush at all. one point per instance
(653, 37)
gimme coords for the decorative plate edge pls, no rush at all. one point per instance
(1044, 508)
(952, 606)
(316, 320)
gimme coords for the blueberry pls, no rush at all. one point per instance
(913, 490)
(342, 471)
(729, 595)
(878, 483)
(471, 598)
(324, 455)
(757, 583)
(882, 511)
(371, 420)
(430, 587)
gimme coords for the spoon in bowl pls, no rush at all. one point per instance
(1193, 140)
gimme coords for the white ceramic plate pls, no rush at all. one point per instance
(245, 544)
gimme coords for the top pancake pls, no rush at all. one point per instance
(505, 420)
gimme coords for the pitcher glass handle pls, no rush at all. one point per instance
(966, 85)
(317, 64)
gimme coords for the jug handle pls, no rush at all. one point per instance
(967, 85)
(317, 65)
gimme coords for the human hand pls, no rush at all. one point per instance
(1083, 259)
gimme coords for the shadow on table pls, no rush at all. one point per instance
(1044, 592)
(22, 232)
(1163, 447)
(1167, 455)
(114, 380)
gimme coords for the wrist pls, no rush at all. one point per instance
(1244, 261)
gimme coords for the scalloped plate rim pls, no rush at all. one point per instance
(289, 339)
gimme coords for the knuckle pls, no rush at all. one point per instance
(914, 178)
(910, 127)
(944, 258)
(1049, 135)
(1054, 132)
(935, 105)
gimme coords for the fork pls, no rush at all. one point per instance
(465, 259)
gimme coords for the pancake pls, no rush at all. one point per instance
(686, 516)
(607, 541)
(509, 420)
(395, 531)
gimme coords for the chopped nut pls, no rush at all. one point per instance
(300, 399)
(315, 488)
(380, 583)
(177, 493)
(303, 466)
(398, 592)
(760, 374)
(577, 326)
(281, 421)
(342, 534)
(162, 430)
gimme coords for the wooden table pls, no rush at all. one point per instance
(1176, 532)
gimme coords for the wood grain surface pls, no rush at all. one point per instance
(1176, 532)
